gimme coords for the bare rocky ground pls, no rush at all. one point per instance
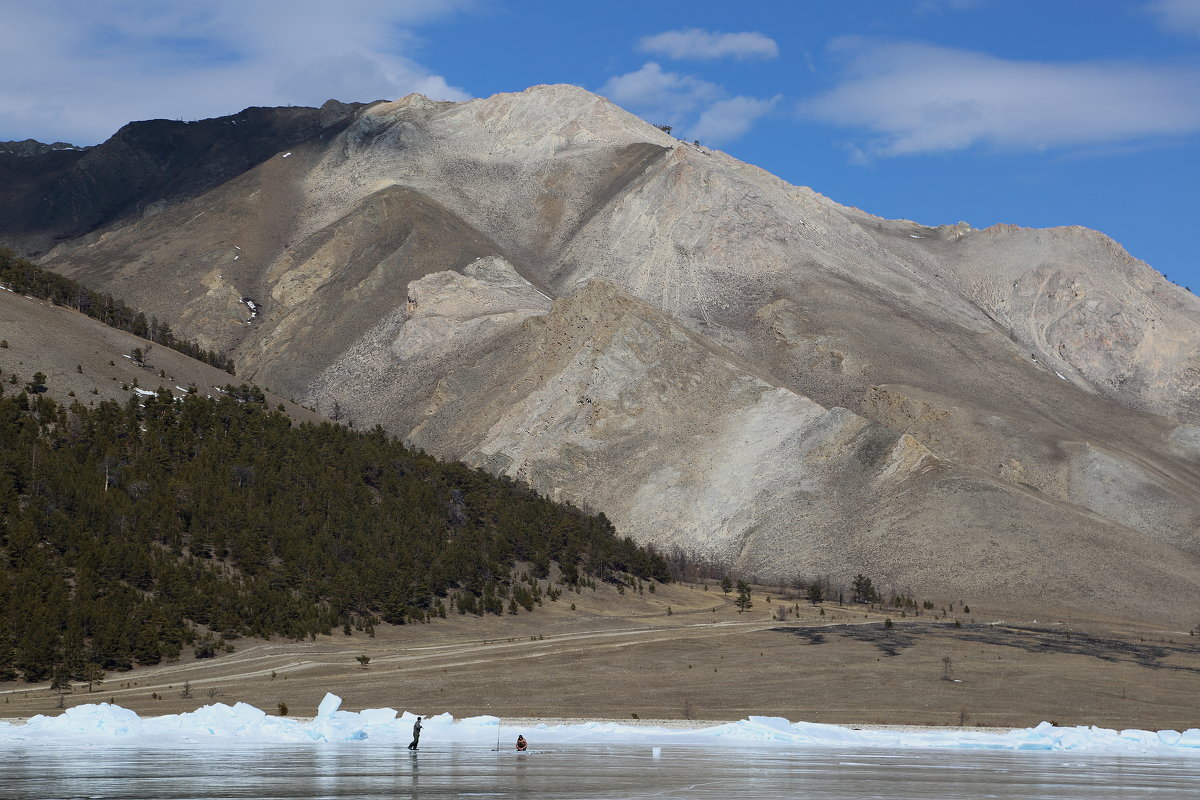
(626, 658)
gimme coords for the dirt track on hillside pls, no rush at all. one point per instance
(616, 657)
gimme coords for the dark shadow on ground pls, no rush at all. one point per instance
(891, 641)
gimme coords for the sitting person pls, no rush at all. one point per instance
(522, 745)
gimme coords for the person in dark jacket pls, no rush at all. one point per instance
(416, 734)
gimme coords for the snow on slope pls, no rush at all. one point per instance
(247, 723)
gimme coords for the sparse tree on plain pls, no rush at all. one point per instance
(743, 601)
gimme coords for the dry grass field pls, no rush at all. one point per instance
(615, 657)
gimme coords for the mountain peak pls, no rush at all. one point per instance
(32, 147)
(565, 111)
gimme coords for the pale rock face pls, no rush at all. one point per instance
(635, 414)
(396, 363)
(447, 311)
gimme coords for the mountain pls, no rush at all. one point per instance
(544, 285)
(59, 191)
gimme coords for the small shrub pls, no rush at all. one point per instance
(283, 709)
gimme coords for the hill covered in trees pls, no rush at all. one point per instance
(129, 532)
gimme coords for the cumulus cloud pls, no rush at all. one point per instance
(919, 98)
(699, 44)
(726, 120)
(78, 70)
(694, 107)
(937, 6)
(653, 92)
(1181, 16)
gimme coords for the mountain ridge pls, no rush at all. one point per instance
(1044, 361)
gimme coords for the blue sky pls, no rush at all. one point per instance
(1039, 113)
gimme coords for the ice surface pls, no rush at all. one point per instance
(245, 722)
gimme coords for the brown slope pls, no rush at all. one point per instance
(315, 292)
(88, 362)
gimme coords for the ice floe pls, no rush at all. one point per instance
(247, 723)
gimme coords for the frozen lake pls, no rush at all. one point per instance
(315, 771)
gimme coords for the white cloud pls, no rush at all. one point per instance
(918, 98)
(726, 120)
(1181, 16)
(651, 92)
(695, 108)
(938, 6)
(79, 70)
(695, 43)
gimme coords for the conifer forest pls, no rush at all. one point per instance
(163, 527)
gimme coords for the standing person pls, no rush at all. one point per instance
(416, 734)
(522, 745)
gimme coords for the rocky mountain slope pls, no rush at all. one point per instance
(544, 285)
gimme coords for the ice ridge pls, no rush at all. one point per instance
(245, 722)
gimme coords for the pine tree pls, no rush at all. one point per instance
(743, 601)
(864, 589)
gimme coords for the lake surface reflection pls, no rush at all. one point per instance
(209, 770)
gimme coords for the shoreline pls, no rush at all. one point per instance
(531, 723)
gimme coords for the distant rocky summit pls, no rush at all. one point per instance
(32, 147)
(744, 370)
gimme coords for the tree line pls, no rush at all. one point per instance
(25, 277)
(132, 532)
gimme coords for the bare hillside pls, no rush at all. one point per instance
(544, 285)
